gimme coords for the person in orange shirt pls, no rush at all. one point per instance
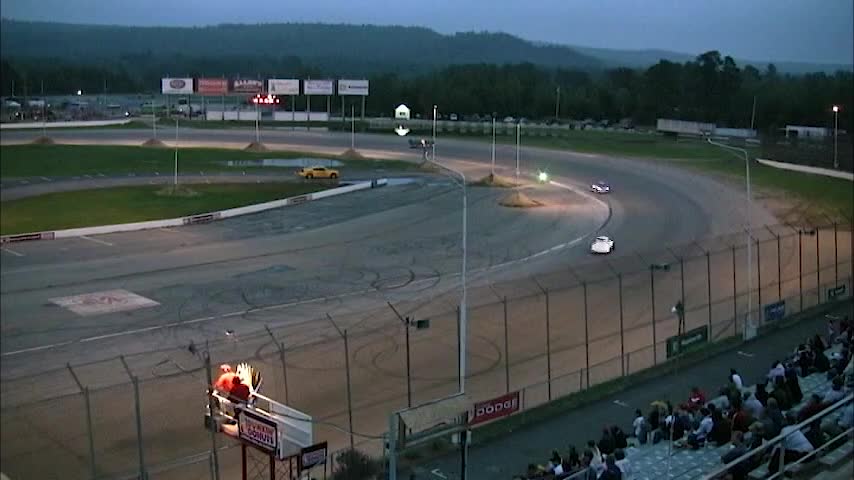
(225, 381)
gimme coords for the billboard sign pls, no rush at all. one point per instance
(211, 86)
(688, 341)
(313, 456)
(775, 311)
(257, 430)
(173, 86)
(495, 408)
(248, 86)
(353, 87)
(317, 87)
(277, 86)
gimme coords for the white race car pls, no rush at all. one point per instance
(602, 245)
(600, 187)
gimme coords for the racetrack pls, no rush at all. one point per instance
(347, 257)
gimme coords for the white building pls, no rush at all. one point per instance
(807, 132)
(401, 112)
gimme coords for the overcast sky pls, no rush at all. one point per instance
(801, 30)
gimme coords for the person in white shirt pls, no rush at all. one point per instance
(698, 437)
(835, 394)
(596, 462)
(795, 445)
(735, 378)
(638, 426)
(777, 370)
(623, 464)
(752, 405)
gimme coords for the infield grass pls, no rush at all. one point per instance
(108, 206)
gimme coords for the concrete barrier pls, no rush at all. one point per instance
(193, 219)
(806, 169)
(80, 124)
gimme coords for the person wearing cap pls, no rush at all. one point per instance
(225, 380)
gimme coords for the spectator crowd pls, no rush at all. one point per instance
(743, 418)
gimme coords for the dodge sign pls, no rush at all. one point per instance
(176, 85)
(278, 86)
(495, 408)
(317, 87)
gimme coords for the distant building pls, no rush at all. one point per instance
(798, 131)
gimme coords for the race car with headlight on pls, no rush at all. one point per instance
(600, 187)
(602, 245)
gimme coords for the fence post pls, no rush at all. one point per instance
(349, 392)
(801, 268)
(817, 267)
(622, 330)
(681, 327)
(90, 433)
(652, 303)
(506, 348)
(281, 348)
(213, 427)
(779, 271)
(709, 291)
(835, 255)
(140, 448)
(459, 351)
(548, 347)
(734, 296)
(758, 280)
(586, 337)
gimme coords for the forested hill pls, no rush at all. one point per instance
(334, 49)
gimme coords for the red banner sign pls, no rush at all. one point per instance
(212, 86)
(495, 408)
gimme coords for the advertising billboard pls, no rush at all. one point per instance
(278, 86)
(495, 408)
(317, 87)
(173, 86)
(247, 86)
(353, 87)
(257, 430)
(211, 86)
(313, 456)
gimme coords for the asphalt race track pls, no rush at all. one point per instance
(345, 257)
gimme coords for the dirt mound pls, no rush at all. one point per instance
(43, 141)
(493, 180)
(351, 154)
(177, 191)
(256, 147)
(153, 143)
(519, 200)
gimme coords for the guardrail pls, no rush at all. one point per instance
(81, 123)
(192, 219)
(806, 169)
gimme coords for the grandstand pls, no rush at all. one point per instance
(831, 459)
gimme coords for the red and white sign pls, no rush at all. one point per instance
(212, 86)
(317, 87)
(495, 408)
(258, 431)
(353, 87)
(173, 86)
(248, 86)
(278, 86)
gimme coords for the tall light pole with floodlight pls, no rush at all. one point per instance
(749, 327)
(835, 136)
(463, 324)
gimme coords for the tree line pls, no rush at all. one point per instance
(710, 88)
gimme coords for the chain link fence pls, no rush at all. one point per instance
(142, 415)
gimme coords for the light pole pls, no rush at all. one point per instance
(175, 178)
(433, 146)
(353, 127)
(557, 104)
(835, 135)
(493, 144)
(749, 327)
(518, 139)
(463, 301)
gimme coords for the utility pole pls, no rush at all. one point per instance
(557, 104)
(753, 113)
